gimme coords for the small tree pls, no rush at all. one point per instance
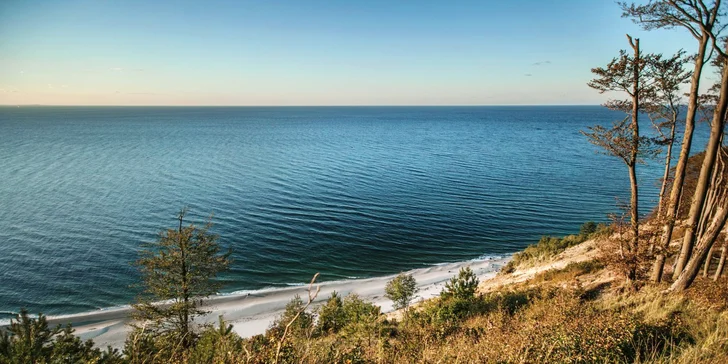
(664, 107)
(331, 315)
(178, 272)
(628, 74)
(587, 229)
(462, 286)
(401, 290)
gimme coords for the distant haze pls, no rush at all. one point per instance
(90, 52)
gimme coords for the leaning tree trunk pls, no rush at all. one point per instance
(712, 223)
(706, 171)
(687, 276)
(677, 183)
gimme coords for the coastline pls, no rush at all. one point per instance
(252, 312)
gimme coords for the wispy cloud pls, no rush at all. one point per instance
(116, 69)
(540, 63)
(528, 75)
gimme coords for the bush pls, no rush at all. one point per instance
(216, 345)
(588, 228)
(401, 290)
(331, 316)
(30, 340)
(463, 286)
(302, 325)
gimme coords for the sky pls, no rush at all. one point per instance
(312, 52)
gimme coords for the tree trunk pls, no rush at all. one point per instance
(721, 264)
(634, 202)
(657, 268)
(659, 265)
(706, 266)
(706, 172)
(672, 206)
(687, 276)
(186, 343)
(634, 217)
(666, 173)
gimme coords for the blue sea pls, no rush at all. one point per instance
(350, 192)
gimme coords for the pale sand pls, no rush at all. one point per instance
(252, 313)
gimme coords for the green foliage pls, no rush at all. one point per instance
(30, 340)
(463, 286)
(216, 345)
(180, 268)
(356, 309)
(145, 346)
(550, 246)
(521, 324)
(301, 327)
(401, 290)
(352, 313)
(588, 228)
(331, 316)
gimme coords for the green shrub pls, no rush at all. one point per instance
(300, 327)
(331, 315)
(462, 286)
(216, 345)
(30, 340)
(401, 290)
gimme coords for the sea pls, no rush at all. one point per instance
(349, 192)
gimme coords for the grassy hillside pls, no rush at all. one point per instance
(557, 302)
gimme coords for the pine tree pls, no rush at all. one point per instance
(178, 272)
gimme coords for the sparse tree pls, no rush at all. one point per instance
(401, 290)
(628, 74)
(178, 272)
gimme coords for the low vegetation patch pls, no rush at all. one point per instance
(550, 246)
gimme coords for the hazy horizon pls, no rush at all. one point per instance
(322, 53)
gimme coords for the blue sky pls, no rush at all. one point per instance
(128, 52)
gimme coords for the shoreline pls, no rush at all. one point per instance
(252, 312)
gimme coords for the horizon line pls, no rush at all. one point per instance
(321, 105)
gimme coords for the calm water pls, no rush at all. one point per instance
(345, 191)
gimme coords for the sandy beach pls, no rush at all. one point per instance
(251, 313)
